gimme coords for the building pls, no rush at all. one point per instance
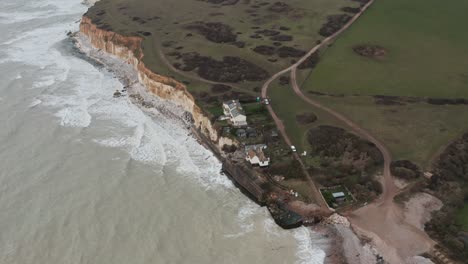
(256, 156)
(240, 133)
(339, 197)
(251, 132)
(236, 114)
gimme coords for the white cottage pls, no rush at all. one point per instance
(256, 157)
(236, 114)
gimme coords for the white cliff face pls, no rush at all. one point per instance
(129, 50)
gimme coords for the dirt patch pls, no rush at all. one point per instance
(333, 24)
(215, 31)
(419, 208)
(370, 51)
(306, 118)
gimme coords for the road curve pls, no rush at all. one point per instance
(389, 188)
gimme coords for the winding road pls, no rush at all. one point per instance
(383, 220)
(389, 188)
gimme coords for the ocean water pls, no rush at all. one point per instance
(88, 178)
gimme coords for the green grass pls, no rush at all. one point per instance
(287, 106)
(427, 54)
(415, 131)
(304, 22)
(462, 217)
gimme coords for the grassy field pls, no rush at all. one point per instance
(415, 131)
(426, 56)
(166, 21)
(287, 106)
(426, 52)
(462, 217)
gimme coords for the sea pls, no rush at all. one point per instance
(89, 178)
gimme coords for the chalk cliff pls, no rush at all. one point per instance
(128, 48)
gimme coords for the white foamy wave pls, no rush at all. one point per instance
(34, 103)
(74, 117)
(245, 219)
(306, 253)
(271, 228)
(45, 81)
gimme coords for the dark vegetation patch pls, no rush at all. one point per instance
(277, 44)
(334, 23)
(239, 44)
(279, 7)
(352, 10)
(222, 2)
(216, 14)
(387, 100)
(310, 62)
(220, 88)
(216, 100)
(229, 148)
(370, 51)
(268, 32)
(230, 69)
(282, 38)
(405, 169)
(145, 33)
(306, 118)
(256, 36)
(450, 184)
(285, 52)
(265, 50)
(345, 159)
(214, 31)
(396, 100)
(284, 28)
(445, 101)
(290, 170)
(168, 43)
(284, 80)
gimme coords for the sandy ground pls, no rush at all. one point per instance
(419, 208)
(395, 231)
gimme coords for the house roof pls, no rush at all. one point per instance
(338, 194)
(235, 107)
(257, 152)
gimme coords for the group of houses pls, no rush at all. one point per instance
(235, 114)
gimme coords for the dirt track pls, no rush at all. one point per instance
(383, 221)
